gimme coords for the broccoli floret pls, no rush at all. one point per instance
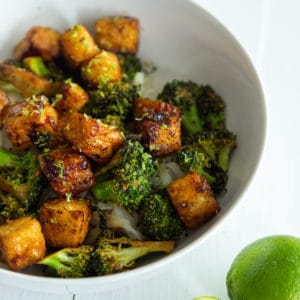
(36, 65)
(192, 158)
(119, 254)
(158, 219)
(112, 99)
(218, 145)
(184, 94)
(201, 108)
(130, 65)
(21, 179)
(69, 262)
(212, 109)
(126, 180)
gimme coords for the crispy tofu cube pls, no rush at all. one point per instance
(160, 125)
(193, 199)
(40, 41)
(78, 45)
(68, 171)
(4, 100)
(24, 121)
(22, 243)
(71, 97)
(65, 223)
(26, 82)
(104, 67)
(119, 34)
(95, 139)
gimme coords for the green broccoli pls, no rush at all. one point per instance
(120, 254)
(130, 65)
(192, 158)
(158, 219)
(69, 262)
(20, 180)
(112, 99)
(212, 109)
(202, 109)
(126, 180)
(218, 145)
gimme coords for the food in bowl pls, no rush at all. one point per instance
(98, 175)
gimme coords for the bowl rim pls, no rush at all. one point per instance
(91, 284)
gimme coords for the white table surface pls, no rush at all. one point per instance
(269, 31)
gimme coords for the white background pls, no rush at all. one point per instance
(269, 31)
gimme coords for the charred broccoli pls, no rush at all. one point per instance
(201, 108)
(158, 219)
(69, 262)
(130, 65)
(112, 99)
(119, 254)
(21, 182)
(126, 180)
(218, 145)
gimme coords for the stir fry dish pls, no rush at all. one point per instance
(93, 174)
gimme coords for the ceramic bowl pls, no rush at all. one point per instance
(184, 42)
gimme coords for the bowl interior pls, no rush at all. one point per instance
(184, 42)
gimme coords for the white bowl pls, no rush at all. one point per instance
(184, 42)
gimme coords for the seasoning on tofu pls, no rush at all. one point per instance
(65, 223)
(159, 123)
(22, 242)
(93, 138)
(77, 45)
(103, 67)
(193, 199)
(68, 171)
(71, 97)
(119, 34)
(24, 122)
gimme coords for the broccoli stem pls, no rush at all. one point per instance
(105, 190)
(8, 159)
(190, 119)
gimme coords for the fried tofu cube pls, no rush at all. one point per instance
(193, 200)
(4, 100)
(26, 120)
(103, 67)
(65, 223)
(119, 34)
(71, 97)
(68, 171)
(22, 242)
(96, 140)
(78, 45)
(26, 82)
(160, 125)
(39, 41)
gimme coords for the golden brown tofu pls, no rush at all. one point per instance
(68, 171)
(160, 125)
(71, 97)
(4, 100)
(120, 34)
(78, 45)
(193, 199)
(65, 223)
(41, 41)
(26, 82)
(95, 139)
(22, 243)
(24, 121)
(104, 67)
